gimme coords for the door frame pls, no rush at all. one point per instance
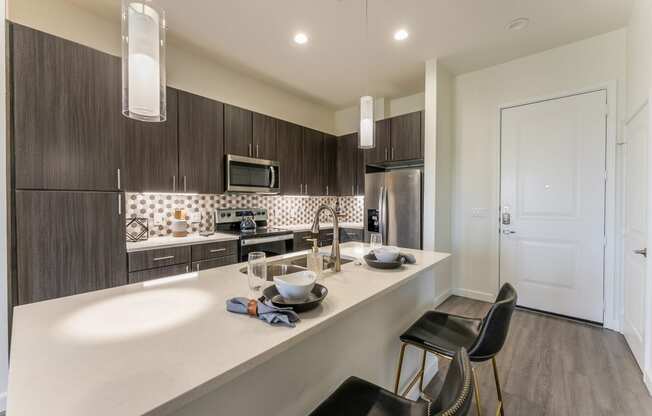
(612, 298)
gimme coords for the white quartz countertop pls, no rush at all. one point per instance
(166, 242)
(152, 347)
(308, 227)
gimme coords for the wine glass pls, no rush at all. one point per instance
(256, 272)
(375, 240)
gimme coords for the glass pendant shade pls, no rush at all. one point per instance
(366, 139)
(143, 61)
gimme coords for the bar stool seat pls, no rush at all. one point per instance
(357, 397)
(443, 333)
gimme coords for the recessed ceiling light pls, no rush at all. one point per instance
(301, 38)
(518, 24)
(401, 34)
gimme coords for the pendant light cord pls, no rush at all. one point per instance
(366, 42)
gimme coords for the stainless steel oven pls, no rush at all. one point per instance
(247, 174)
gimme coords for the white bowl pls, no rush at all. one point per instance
(295, 286)
(386, 254)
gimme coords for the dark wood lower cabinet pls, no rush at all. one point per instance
(169, 271)
(150, 259)
(68, 243)
(213, 263)
(351, 234)
(302, 240)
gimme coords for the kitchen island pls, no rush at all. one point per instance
(168, 346)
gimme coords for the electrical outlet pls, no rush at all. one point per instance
(195, 217)
(159, 218)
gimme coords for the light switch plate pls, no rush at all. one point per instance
(159, 218)
(479, 212)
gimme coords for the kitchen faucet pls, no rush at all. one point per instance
(335, 248)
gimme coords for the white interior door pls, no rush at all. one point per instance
(553, 204)
(635, 232)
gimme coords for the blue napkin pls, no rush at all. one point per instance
(268, 313)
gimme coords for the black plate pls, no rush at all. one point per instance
(373, 262)
(316, 295)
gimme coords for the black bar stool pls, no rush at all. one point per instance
(356, 397)
(443, 334)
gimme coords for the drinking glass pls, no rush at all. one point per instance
(376, 240)
(256, 272)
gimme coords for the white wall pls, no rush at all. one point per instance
(187, 70)
(477, 98)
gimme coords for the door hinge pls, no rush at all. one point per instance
(606, 175)
(604, 241)
(606, 109)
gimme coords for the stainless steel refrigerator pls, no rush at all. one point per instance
(393, 206)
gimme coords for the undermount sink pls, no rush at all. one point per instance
(294, 264)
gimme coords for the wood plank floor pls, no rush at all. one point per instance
(552, 366)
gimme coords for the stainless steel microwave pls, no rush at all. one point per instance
(247, 174)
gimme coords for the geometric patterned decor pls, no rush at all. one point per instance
(282, 210)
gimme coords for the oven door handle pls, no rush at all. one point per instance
(262, 240)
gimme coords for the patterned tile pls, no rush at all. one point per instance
(283, 210)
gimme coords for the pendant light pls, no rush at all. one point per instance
(143, 61)
(366, 134)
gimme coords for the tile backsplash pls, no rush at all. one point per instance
(282, 210)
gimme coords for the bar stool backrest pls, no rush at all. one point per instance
(457, 391)
(495, 326)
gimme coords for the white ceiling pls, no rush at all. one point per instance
(255, 36)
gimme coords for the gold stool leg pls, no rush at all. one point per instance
(400, 364)
(423, 369)
(477, 391)
(499, 392)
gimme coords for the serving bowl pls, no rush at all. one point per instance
(386, 254)
(295, 286)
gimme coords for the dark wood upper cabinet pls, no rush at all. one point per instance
(67, 130)
(313, 162)
(238, 126)
(347, 156)
(264, 137)
(406, 137)
(330, 165)
(290, 139)
(380, 153)
(61, 254)
(360, 168)
(151, 156)
(201, 144)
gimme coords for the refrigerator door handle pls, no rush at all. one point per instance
(386, 216)
(380, 211)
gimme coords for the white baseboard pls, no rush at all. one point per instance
(474, 294)
(442, 297)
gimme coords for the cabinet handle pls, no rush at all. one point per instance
(256, 150)
(386, 154)
(163, 258)
(119, 205)
(352, 190)
(185, 183)
(306, 189)
(217, 250)
(174, 183)
(117, 172)
(197, 266)
(250, 152)
(300, 189)
(326, 189)
(187, 268)
(392, 153)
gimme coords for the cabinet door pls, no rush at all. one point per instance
(406, 137)
(330, 165)
(238, 131)
(359, 172)
(67, 126)
(290, 140)
(68, 243)
(380, 153)
(159, 273)
(302, 240)
(346, 164)
(313, 162)
(264, 137)
(201, 144)
(152, 152)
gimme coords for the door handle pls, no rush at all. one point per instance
(507, 232)
(273, 176)
(642, 252)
